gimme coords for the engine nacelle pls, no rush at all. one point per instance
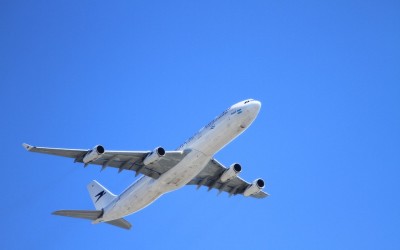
(254, 188)
(154, 156)
(93, 154)
(231, 172)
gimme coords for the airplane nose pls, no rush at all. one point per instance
(251, 108)
(257, 104)
(254, 106)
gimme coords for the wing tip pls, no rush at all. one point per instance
(27, 146)
(58, 212)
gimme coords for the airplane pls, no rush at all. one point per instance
(192, 163)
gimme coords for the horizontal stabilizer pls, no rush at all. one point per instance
(84, 214)
(120, 223)
(93, 215)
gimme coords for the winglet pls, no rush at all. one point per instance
(27, 146)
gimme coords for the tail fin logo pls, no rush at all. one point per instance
(99, 195)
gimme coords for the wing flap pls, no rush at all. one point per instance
(260, 195)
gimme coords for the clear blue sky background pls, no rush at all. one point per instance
(134, 75)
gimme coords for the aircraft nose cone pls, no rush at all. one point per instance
(251, 108)
(257, 104)
(254, 106)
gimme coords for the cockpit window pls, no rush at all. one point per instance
(247, 101)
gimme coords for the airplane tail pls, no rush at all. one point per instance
(101, 197)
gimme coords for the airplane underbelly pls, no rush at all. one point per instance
(184, 171)
(215, 139)
(149, 189)
(201, 153)
(135, 200)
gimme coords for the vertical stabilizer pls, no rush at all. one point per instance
(101, 197)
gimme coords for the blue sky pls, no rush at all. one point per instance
(134, 75)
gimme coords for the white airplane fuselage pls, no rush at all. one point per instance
(200, 147)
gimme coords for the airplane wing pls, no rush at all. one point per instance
(123, 160)
(210, 175)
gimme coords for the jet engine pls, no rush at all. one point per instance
(231, 172)
(94, 154)
(254, 188)
(154, 156)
